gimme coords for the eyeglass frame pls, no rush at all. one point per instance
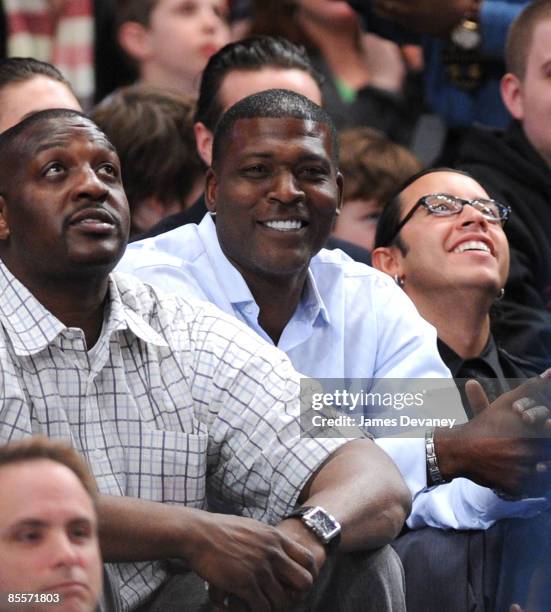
(463, 201)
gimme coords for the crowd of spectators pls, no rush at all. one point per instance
(351, 191)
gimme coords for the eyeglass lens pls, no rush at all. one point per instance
(449, 205)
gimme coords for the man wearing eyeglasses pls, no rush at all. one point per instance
(441, 238)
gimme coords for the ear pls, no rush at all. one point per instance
(133, 37)
(387, 260)
(512, 95)
(203, 140)
(211, 190)
(340, 186)
(4, 227)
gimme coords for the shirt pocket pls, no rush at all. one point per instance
(158, 465)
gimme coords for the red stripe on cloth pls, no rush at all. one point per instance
(78, 8)
(30, 23)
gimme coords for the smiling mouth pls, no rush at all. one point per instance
(290, 225)
(472, 245)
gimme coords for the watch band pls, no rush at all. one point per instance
(432, 462)
(330, 540)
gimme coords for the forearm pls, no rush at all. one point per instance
(137, 530)
(362, 488)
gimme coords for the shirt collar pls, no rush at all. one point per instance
(312, 299)
(455, 363)
(31, 327)
(234, 285)
(121, 316)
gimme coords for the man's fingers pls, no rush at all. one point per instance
(530, 411)
(536, 415)
(533, 386)
(218, 597)
(277, 591)
(522, 404)
(251, 598)
(302, 573)
(476, 396)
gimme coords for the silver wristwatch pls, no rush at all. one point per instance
(321, 523)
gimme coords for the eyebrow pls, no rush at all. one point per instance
(315, 157)
(39, 523)
(301, 158)
(28, 522)
(50, 145)
(62, 143)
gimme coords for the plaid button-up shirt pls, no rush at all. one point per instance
(176, 403)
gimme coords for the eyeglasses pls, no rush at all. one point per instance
(445, 205)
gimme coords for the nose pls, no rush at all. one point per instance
(64, 552)
(285, 189)
(90, 186)
(210, 20)
(472, 216)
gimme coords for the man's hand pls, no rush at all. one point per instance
(295, 529)
(505, 446)
(423, 16)
(248, 563)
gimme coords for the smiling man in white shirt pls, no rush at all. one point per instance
(274, 190)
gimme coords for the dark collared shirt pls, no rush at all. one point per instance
(494, 368)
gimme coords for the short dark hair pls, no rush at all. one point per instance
(253, 53)
(20, 69)
(392, 211)
(40, 447)
(152, 130)
(521, 32)
(134, 10)
(272, 103)
(372, 165)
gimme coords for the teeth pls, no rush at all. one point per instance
(91, 221)
(473, 245)
(284, 226)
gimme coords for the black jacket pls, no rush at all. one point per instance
(511, 171)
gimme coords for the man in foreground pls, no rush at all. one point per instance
(49, 547)
(171, 402)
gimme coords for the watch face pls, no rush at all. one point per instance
(323, 523)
